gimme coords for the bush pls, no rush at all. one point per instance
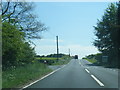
(15, 51)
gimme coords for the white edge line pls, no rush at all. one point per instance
(100, 83)
(80, 63)
(42, 77)
(87, 71)
(69, 62)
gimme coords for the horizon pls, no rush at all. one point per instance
(72, 22)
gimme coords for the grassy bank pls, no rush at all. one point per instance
(61, 62)
(13, 78)
(91, 60)
(46, 58)
(53, 60)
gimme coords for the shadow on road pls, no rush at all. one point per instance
(102, 65)
(93, 64)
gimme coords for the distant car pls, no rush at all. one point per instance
(76, 56)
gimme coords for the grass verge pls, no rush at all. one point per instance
(62, 62)
(46, 58)
(14, 78)
(91, 60)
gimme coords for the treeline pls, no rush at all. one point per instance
(52, 58)
(53, 55)
(19, 26)
(107, 32)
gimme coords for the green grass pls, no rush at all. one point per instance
(62, 62)
(14, 78)
(91, 60)
(46, 58)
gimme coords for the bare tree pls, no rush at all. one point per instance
(20, 14)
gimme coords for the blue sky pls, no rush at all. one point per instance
(73, 22)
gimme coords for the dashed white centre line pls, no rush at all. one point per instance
(100, 83)
(87, 71)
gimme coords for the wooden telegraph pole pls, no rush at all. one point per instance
(57, 48)
(69, 52)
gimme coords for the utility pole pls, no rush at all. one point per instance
(57, 47)
(69, 52)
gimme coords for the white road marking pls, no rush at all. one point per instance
(80, 63)
(100, 83)
(69, 62)
(87, 71)
(42, 78)
(61, 67)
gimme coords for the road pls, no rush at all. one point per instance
(80, 74)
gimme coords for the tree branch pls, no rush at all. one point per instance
(3, 12)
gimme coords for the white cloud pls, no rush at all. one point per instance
(47, 41)
(45, 50)
(75, 49)
(51, 40)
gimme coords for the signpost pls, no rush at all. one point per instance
(104, 59)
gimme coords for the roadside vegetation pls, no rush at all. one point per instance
(19, 26)
(107, 32)
(64, 60)
(97, 59)
(46, 58)
(52, 59)
(17, 77)
(19, 62)
(92, 60)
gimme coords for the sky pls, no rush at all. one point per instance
(72, 22)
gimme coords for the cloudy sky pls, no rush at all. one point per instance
(72, 22)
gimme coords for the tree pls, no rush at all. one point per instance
(15, 50)
(107, 34)
(118, 26)
(12, 40)
(18, 24)
(20, 14)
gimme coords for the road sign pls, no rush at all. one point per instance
(104, 59)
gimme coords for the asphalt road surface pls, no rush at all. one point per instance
(80, 74)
